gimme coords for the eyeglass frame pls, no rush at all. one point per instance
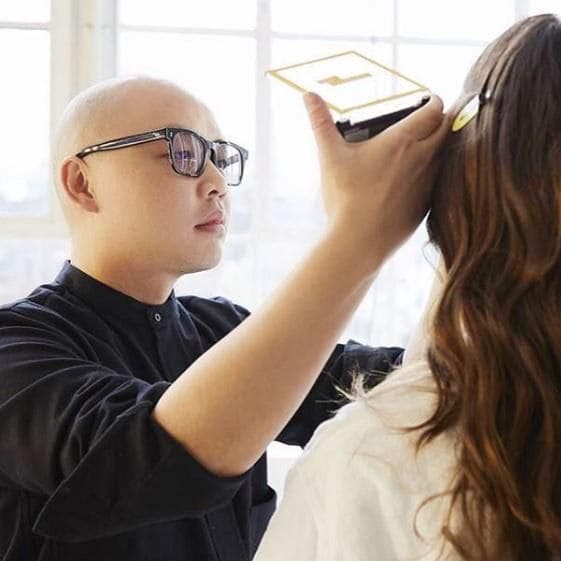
(167, 134)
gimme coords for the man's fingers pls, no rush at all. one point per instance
(423, 122)
(439, 135)
(325, 131)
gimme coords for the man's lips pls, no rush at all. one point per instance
(215, 219)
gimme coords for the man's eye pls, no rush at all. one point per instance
(183, 155)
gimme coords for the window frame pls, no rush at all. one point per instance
(84, 41)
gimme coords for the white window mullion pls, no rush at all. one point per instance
(395, 32)
(521, 9)
(63, 56)
(96, 41)
(63, 82)
(22, 25)
(263, 153)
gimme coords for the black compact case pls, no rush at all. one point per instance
(363, 130)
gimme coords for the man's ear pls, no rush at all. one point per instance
(75, 184)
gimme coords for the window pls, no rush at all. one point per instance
(220, 50)
(25, 109)
(26, 198)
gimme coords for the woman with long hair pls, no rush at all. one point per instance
(457, 455)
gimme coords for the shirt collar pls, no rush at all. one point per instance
(110, 302)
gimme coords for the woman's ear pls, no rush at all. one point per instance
(75, 184)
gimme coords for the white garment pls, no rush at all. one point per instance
(354, 493)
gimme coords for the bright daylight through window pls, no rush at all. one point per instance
(220, 50)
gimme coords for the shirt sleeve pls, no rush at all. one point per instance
(325, 397)
(82, 436)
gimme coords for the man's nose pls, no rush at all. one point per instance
(213, 182)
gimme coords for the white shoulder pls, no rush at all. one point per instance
(363, 480)
(377, 424)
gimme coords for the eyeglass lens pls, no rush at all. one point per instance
(188, 154)
(228, 160)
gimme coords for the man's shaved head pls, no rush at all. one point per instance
(128, 207)
(117, 107)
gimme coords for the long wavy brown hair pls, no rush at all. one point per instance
(495, 344)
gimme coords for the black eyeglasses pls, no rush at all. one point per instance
(188, 152)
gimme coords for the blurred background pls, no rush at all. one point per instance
(220, 50)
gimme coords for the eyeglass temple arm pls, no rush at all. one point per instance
(123, 142)
(245, 153)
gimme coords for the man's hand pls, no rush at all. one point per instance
(379, 190)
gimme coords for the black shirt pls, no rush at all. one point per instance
(86, 474)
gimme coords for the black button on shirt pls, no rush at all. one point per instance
(85, 472)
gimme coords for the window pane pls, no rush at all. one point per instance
(352, 17)
(189, 13)
(280, 459)
(445, 78)
(24, 114)
(545, 7)
(27, 263)
(441, 19)
(28, 11)
(391, 311)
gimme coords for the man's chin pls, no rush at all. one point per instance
(199, 267)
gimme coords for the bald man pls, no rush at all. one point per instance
(135, 422)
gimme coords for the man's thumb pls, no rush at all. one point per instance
(324, 129)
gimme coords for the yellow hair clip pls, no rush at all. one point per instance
(470, 110)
